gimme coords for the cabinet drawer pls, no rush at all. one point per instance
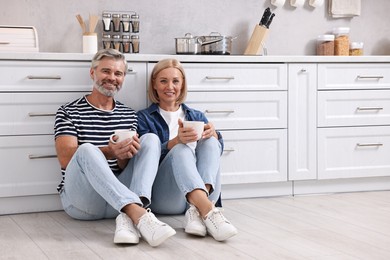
(353, 108)
(45, 76)
(231, 77)
(254, 156)
(242, 110)
(29, 166)
(353, 76)
(353, 152)
(31, 113)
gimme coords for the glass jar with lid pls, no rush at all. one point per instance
(356, 49)
(126, 43)
(135, 23)
(135, 43)
(341, 41)
(107, 41)
(325, 44)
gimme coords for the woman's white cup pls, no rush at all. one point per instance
(197, 125)
(122, 135)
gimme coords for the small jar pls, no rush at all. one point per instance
(325, 45)
(116, 21)
(116, 39)
(356, 49)
(341, 41)
(126, 43)
(106, 17)
(107, 42)
(135, 43)
(135, 23)
(125, 23)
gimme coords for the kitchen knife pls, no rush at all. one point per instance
(265, 17)
(268, 23)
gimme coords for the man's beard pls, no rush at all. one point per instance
(108, 93)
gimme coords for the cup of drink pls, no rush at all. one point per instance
(122, 135)
(197, 125)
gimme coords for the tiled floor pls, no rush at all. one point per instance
(334, 226)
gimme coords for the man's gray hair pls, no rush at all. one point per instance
(108, 53)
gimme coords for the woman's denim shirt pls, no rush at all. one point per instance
(151, 121)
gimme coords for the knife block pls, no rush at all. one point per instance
(255, 44)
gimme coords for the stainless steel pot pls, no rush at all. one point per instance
(187, 45)
(223, 45)
(192, 44)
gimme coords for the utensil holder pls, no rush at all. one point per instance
(256, 42)
(90, 43)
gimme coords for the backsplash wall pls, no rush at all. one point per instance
(293, 31)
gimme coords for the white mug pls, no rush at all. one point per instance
(122, 135)
(197, 125)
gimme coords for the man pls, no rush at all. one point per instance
(103, 178)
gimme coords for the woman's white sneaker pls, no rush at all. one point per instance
(194, 225)
(218, 226)
(125, 232)
(153, 230)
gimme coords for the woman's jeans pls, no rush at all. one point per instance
(182, 171)
(91, 189)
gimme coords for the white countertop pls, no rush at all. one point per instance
(198, 58)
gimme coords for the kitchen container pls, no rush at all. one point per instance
(107, 41)
(135, 23)
(356, 49)
(126, 43)
(106, 18)
(116, 22)
(187, 44)
(125, 23)
(325, 45)
(116, 39)
(216, 44)
(135, 43)
(341, 42)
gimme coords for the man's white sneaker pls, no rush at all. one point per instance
(218, 226)
(195, 225)
(153, 230)
(125, 232)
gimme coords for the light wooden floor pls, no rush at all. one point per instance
(335, 226)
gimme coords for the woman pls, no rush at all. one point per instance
(188, 176)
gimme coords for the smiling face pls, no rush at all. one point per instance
(168, 84)
(108, 76)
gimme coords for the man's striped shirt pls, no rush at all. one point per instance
(92, 125)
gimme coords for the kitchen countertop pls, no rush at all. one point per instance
(199, 58)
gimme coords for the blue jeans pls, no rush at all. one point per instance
(91, 189)
(183, 171)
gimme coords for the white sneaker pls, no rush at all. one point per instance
(125, 232)
(218, 226)
(153, 230)
(195, 225)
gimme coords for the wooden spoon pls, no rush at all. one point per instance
(93, 20)
(82, 23)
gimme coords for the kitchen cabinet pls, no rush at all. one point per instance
(29, 98)
(248, 104)
(291, 125)
(302, 123)
(353, 120)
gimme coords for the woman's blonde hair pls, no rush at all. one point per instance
(161, 65)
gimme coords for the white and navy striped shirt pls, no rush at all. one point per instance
(92, 125)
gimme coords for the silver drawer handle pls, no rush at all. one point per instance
(219, 111)
(369, 108)
(229, 150)
(4, 43)
(131, 71)
(32, 114)
(369, 144)
(32, 156)
(43, 77)
(369, 77)
(220, 78)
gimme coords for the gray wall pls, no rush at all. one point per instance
(293, 31)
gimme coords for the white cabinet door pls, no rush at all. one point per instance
(29, 166)
(348, 152)
(302, 123)
(353, 108)
(254, 156)
(242, 110)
